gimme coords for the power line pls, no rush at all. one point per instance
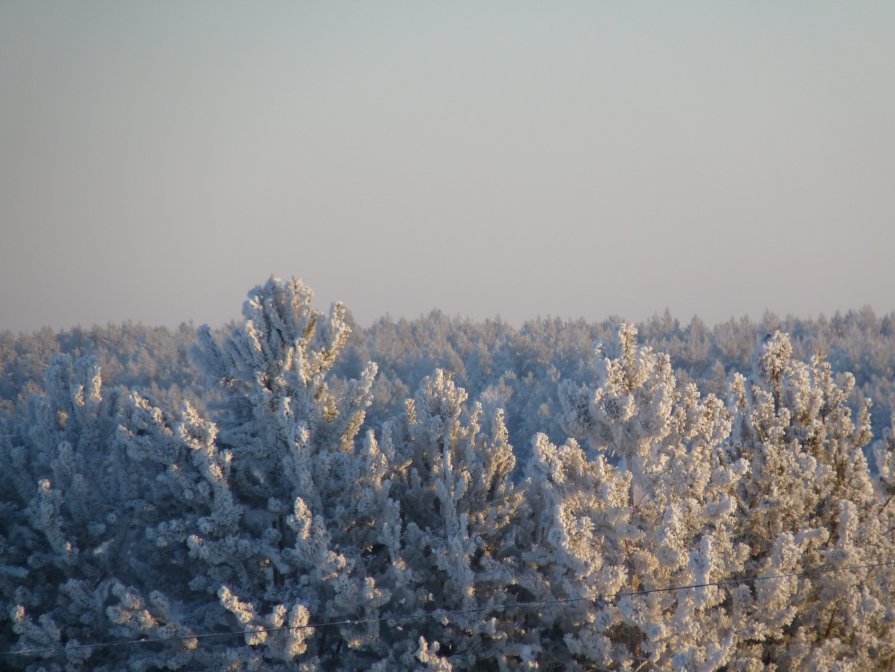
(441, 614)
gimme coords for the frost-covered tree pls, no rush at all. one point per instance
(459, 512)
(271, 525)
(651, 506)
(808, 501)
(666, 498)
(71, 532)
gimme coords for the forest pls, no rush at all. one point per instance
(294, 491)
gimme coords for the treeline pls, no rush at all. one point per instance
(498, 364)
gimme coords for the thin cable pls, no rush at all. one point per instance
(441, 614)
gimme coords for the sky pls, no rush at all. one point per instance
(521, 159)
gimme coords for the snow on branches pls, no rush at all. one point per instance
(670, 530)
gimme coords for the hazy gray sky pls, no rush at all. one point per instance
(159, 159)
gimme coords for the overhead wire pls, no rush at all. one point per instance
(822, 569)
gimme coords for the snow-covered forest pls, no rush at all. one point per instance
(296, 492)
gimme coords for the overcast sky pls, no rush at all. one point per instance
(159, 159)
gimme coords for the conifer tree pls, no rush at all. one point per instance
(283, 476)
(652, 505)
(459, 510)
(71, 532)
(808, 501)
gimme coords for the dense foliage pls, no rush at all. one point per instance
(481, 497)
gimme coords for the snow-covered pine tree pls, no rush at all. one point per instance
(285, 484)
(808, 501)
(651, 506)
(459, 512)
(71, 532)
